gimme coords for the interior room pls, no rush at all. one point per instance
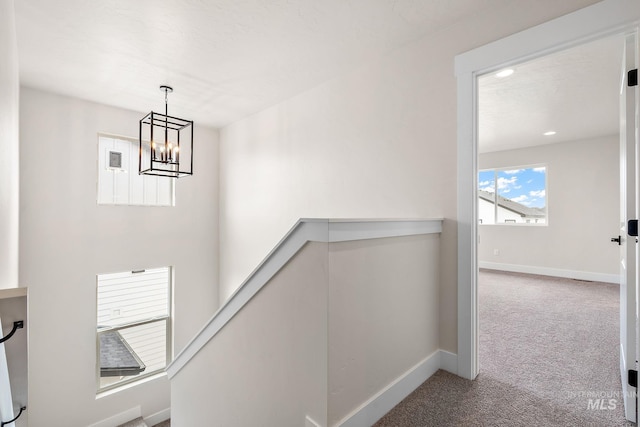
(560, 112)
(549, 272)
(255, 213)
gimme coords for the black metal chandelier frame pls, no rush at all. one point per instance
(166, 157)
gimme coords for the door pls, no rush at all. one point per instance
(628, 245)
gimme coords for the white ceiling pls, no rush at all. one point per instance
(573, 92)
(226, 59)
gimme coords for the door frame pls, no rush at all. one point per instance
(607, 18)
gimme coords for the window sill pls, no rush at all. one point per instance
(127, 386)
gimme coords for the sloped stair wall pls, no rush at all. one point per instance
(344, 319)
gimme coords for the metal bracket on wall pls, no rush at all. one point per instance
(632, 78)
(633, 378)
(16, 325)
(4, 423)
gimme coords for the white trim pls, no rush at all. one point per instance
(121, 418)
(6, 401)
(449, 362)
(158, 417)
(602, 19)
(309, 422)
(13, 293)
(467, 230)
(625, 396)
(386, 399)
(305, 230)
(554, 272)
(599, 20)
(342, 231)
(128, 385)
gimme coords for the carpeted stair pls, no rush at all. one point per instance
(138, 422)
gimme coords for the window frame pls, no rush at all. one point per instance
(511, 223)
(168, 319)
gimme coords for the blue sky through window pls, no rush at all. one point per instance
(526, 186)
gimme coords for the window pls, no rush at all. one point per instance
(133, 325)
(513, 196)
(118, 180)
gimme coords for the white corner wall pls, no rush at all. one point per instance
(9, 147)
(66, 239)
(583, 207)
(379, 141)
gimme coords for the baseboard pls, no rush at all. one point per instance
(121, 418)
(449, 362)
(158, 417)
(555, 272)
(385, 400)
(309, 422)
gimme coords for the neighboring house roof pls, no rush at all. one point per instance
(117, 358)
(510, 205)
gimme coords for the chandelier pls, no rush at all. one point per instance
(166, 143)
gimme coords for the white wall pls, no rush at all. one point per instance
(335, 327)
(268, 365)
(66, 239)
(383, 315)
(583, 207)
(377, 142)
(9, 147)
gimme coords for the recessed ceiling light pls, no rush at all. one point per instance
(504, 73)
(551, 132)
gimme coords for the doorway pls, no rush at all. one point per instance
(548, 161)
(549, 190)
(597, 21)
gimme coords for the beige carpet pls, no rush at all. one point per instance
(139, 422)
(547, 346)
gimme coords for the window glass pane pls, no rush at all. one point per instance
(124, 298)
(520, 193)
(133, 328)
(521, 196)
(486, 194)
(149, 341)
(130, 352)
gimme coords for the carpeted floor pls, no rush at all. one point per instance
(548, 349)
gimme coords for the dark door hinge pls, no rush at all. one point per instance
(632, 78)
(633, 378)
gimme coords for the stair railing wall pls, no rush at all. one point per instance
(336, 314)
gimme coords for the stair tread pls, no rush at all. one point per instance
(138, 422)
